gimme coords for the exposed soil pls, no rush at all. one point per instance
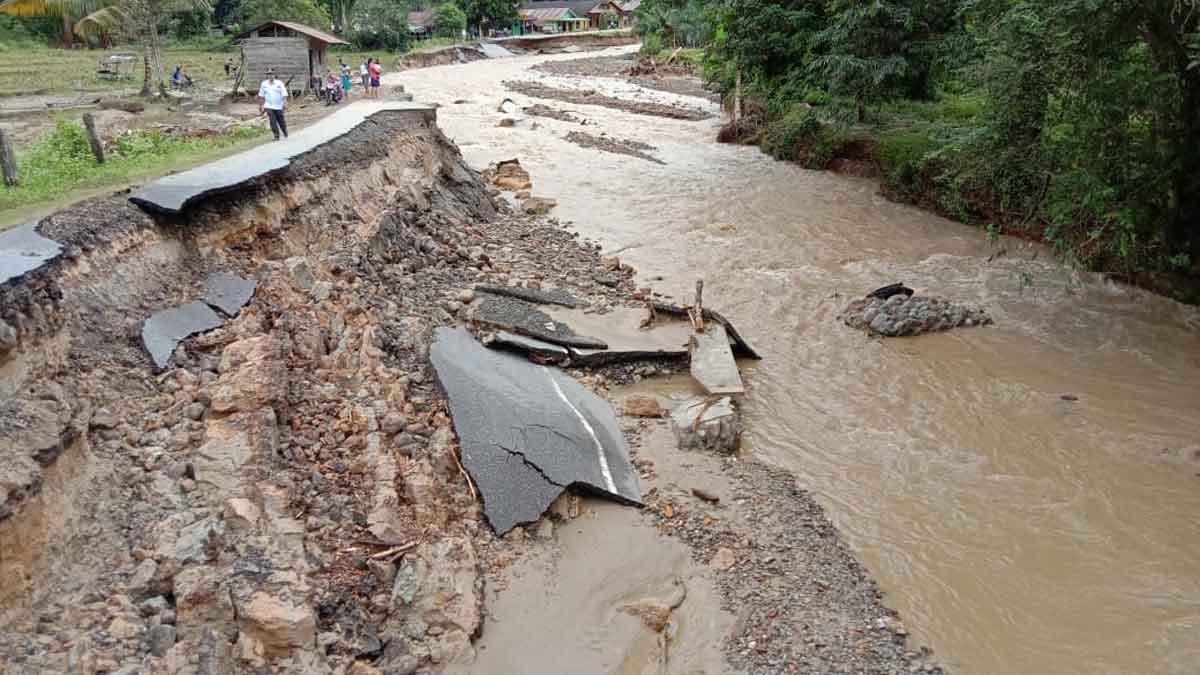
(619, 146)
(648, 73)
(591, 97)
(286, 497)
(539, 110)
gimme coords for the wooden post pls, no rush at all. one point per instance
(737, 96)
(89, 124)
(8, 160)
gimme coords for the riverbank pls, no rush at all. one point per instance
(283, 491)
(907, 444)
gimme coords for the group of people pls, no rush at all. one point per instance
(272, 92)
(333, 88)
(180, 79)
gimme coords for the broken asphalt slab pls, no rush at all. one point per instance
(164, 330)
(172, 194)
(621, 330)
(524, 318)
(493, 51)
(527, 432)
(23, 250)
(551, 297)
(228, 292)
(737, 342)
(712, 363)
(535, 349)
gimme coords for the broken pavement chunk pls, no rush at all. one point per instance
(712, 362)
(528, 432)
(738, 343)
(23, 250)
(554, 296)
(163, 331)
(228, 292)
(707, 424)
(536, 350)
(526, 319)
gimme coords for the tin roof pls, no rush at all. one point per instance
(299, 28)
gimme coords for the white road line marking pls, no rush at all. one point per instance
(608, 479)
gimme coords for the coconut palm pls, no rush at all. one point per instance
(69, 10)
(139, 20)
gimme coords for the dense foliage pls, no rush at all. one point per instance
(379, 24)
(448, 21)
(249, 13)
(483, 15)
(1073, 121)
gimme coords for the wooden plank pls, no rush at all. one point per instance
(8, 160)
(712, 361)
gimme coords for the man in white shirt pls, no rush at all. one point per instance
(271, 94)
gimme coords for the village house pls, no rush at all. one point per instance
(296, 52)
(560, 16)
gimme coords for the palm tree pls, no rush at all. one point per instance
(69, 10)
(139, 20)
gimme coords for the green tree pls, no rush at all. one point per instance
(862, 50)
(69, 11)
(486, 14)
(140, 20)
(448, 21)
(379, 24)
(251, 13)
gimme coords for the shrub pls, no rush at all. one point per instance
(901, 157)
(786, 135)
(652, 44)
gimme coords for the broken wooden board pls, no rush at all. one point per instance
(712, 362)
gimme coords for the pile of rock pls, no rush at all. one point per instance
(907, 315)
(510, 175)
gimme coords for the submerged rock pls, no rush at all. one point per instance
(707, 424)
(904, 315)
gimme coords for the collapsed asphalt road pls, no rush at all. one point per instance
(528, 432)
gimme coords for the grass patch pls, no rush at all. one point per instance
(45, 70)
(60, 161)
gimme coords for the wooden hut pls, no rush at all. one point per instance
(295, 51)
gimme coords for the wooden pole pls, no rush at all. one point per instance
(737, 96)
(89, 124)
(8, 160)
(698, 308)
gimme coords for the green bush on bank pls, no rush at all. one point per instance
(61, 161)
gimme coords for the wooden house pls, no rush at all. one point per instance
(295, 51)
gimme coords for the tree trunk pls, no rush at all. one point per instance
(737, 96)
(1184, 229)
(68, 36)
(145, 74)
(156, 55)
(862, 109)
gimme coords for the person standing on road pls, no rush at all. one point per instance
(376, 72)
(345, 79)
(365, 73)
(271, 94)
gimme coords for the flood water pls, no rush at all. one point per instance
(1013, 530)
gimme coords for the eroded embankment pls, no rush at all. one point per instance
(284, 496)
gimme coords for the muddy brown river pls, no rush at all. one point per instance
(1014, 531)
